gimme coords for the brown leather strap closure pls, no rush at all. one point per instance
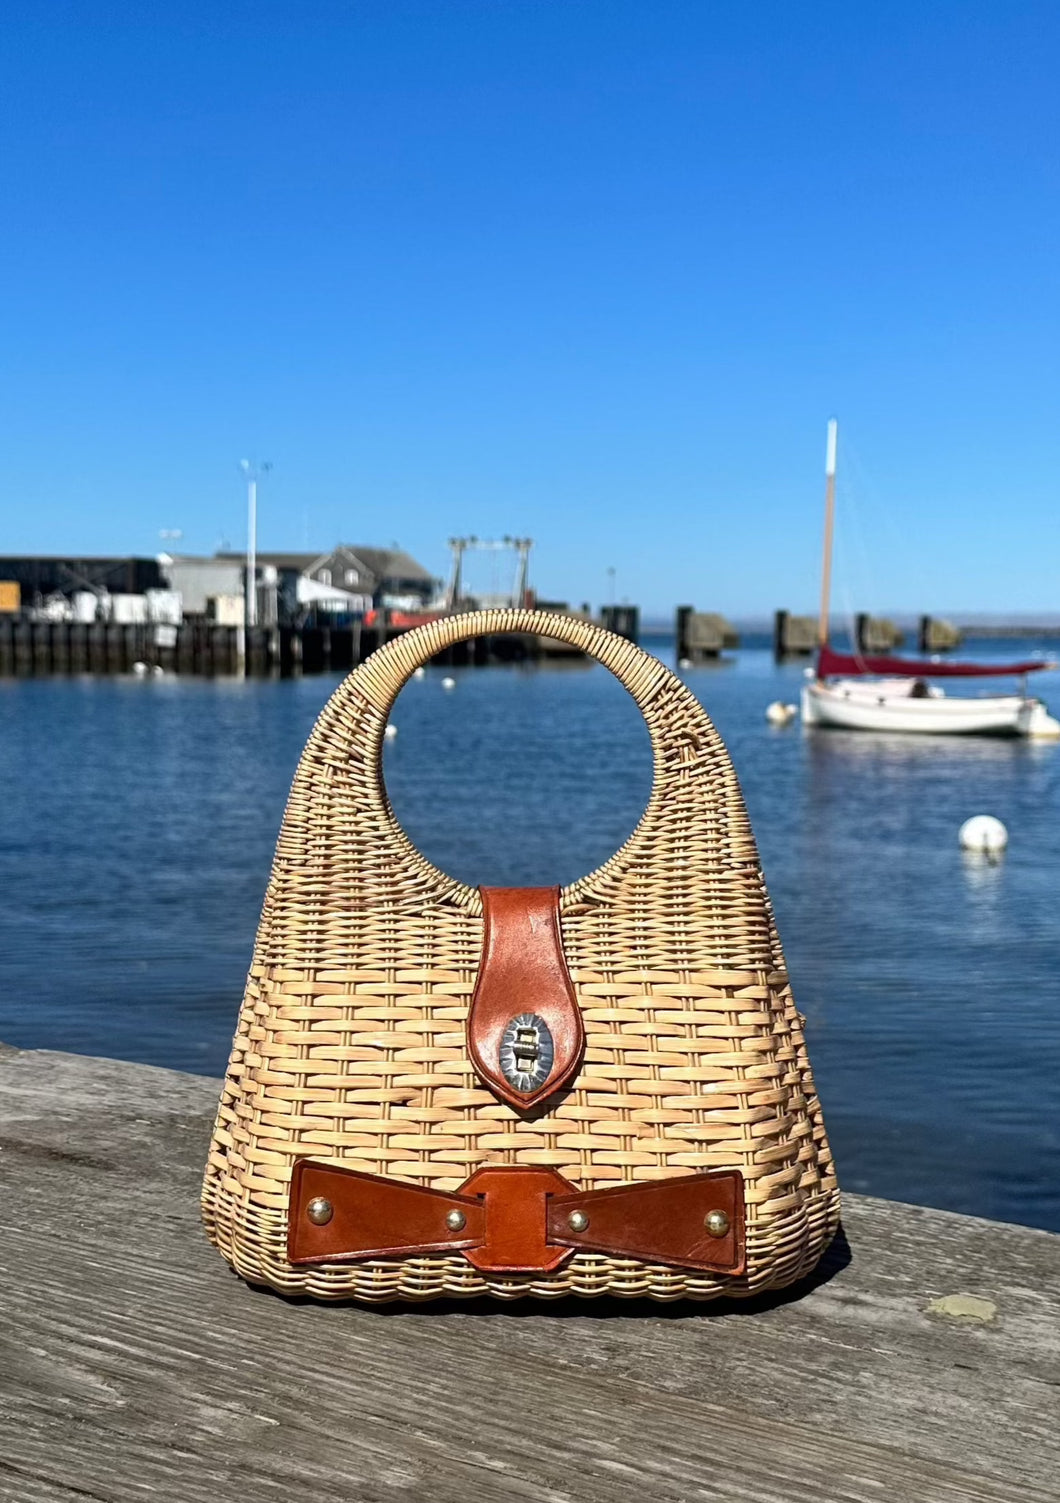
(341, 1213)
(516, 1219)
(525, 1033)
(694, 1221)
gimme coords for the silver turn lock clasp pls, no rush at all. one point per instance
(527, 1052)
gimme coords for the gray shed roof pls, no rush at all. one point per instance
(390, 563)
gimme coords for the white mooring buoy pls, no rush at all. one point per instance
(390, 732)
(685, 663)
(140, 669)
(448, 683)
(779, 713)
(417, 673)
(983, 833)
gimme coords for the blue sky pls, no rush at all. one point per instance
(588, 270)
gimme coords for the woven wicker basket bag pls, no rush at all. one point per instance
(352, 1051)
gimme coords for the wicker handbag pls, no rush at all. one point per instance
(442, 1091)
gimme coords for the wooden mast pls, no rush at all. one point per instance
(829, 527)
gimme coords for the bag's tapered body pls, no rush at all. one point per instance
(352, 1050)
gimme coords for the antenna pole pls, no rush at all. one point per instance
(252, 549)
(829, 528)
(252, 470)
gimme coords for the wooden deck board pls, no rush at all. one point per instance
(136, 1366)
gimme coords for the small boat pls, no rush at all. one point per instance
(858, 692)
(404, 620)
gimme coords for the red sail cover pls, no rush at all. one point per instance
(831, 663)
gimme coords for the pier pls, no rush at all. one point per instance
(919, 1364)
(276, 615)
(31, 648)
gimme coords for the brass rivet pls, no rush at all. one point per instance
(320, 1211)
(456, 1221)
(717, 1223)
(577, 1221)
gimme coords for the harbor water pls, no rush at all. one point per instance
(140, 816)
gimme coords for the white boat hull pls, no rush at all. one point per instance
(889, 705)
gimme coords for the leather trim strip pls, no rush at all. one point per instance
(374, 1217)
(523, 975)
(662, 1222)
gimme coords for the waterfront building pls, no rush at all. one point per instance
(348, 580)
(47, 581)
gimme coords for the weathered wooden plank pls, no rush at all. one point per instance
(136, 1366)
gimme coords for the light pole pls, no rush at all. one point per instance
(252, 470)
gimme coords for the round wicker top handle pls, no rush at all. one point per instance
(690, 760)
(386, 671)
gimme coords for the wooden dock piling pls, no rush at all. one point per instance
(623, 620)
(793, 636)
(702, 634)
(936, 635)
(873, 634)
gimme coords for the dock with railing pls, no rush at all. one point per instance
(921, 1362)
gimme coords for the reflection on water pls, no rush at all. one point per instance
(140, 821)
(982, 871)
(901, 753)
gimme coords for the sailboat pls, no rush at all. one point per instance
(858, 692)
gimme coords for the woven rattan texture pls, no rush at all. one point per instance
(350, 1042)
